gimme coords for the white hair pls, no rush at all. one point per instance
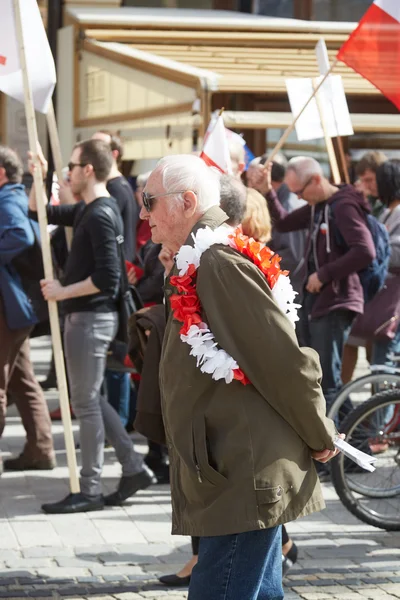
(142, 178)
(304, 167)
(181, 172)
(256, 161)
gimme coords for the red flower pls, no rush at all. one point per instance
(190, 320)
(183, 305)
(240, 376)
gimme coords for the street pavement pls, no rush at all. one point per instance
(117, 554)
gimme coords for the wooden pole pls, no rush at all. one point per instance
(328, 140)
(57, 157)
(291, 127)
(48, 267)
(343, 159)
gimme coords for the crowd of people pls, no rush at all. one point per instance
(242, 460)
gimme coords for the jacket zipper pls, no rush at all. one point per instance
(391, 320)
(198, 472)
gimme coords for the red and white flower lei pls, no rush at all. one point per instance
(186, 305)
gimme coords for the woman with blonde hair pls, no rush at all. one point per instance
(257, 222)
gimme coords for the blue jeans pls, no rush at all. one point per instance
(327, 335)
(382, 349)
(119, 393)
(242, 566)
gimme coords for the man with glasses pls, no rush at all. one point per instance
(240, 455)
(89, 295)
(338, 246)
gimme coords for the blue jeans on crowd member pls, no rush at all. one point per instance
(327, 335)
(242, 566)
(119, 393)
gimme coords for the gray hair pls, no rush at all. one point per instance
(182, 172)
(236, 151)
(142, 178)
(11, 163)
(304, 167)
(233, 199)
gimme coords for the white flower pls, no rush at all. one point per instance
(284, 296)
(220, 366)
(185, 257)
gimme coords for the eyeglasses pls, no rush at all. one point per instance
(148, 198)
(72, 165)
(300, 193)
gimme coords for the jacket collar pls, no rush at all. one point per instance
(212, 218)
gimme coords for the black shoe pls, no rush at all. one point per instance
(49, 383)
(128, 486)
(23, 463)
(174, 580)
(74, 503)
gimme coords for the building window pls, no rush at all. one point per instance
(340, 10)
(274, 8)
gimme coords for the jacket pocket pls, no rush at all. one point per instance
(269, 495)
(201, 455)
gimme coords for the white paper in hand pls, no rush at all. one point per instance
(363, 460)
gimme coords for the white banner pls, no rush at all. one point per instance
(41, 69)
(334, 104)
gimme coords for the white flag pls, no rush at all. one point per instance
(41, 69)
(215, 149)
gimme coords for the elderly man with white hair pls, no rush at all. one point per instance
(243, 410)
(339, 245)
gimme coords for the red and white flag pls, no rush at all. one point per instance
(215, 148)
(373, 49)
(40, 63)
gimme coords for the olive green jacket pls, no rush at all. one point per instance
(241, 455)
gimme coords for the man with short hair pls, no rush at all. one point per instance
(17, 319)
(238, 158)
(241, 455)
(119, 188)
(366, 170)
(89, 294)
(338, 246)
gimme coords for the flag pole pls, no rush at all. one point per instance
(291, 127)
(58, 162)
(328, 140)
(48, 267)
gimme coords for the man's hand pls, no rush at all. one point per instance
(132, 278)
(65, 194)
(259, 178)
(52, 289)
(314, 285)
(39, 158)
(326, 455)
(166, 258)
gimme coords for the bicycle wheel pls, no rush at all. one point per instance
(362, 389)
(374, 427)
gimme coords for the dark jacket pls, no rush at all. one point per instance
(339, 245)
(145, 353)
(16, 235)
(240, 456)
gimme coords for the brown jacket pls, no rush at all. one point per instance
(241, 455)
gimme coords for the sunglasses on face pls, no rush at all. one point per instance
(72, 165)
(148, 199)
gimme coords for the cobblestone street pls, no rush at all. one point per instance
(117, 554)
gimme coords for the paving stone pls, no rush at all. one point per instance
(323, 582)
(316, 596)
(46, 552)
(128, 596)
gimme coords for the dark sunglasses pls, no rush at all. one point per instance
(148, 199)
(72, 165)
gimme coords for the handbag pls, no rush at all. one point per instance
(381, 316)
(126, 305)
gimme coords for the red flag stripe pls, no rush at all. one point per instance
(210, 163)
(3, 60)
(373, 51)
